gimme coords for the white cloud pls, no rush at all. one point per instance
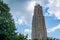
(21, 20)
(29, 37)
(30, 8)
(31, 5)
(54, 8)
(27, 30)
(53, 29)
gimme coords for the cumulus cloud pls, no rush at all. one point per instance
(26, 10)
(20, 9)
(23, 9)
(21, 20)
(53, 29)
(29, 37)
(27, 30)
(31, 5)
(54, 8)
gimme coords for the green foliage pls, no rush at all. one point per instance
(7, 26)
(4, 6)
(35, 39)
(22, 37)
(48, 38)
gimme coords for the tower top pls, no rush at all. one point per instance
(38, 2)
(38, 5)
(38, 10)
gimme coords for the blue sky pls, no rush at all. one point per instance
(22, 12)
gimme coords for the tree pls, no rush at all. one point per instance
(22, 37)
(50, 38)
(35, 39)
(7, 26)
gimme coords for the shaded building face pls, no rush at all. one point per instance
(38, 24)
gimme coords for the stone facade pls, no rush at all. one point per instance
(38, 24)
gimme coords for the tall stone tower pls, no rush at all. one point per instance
(38, 24)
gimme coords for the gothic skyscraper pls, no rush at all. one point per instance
(38, 24)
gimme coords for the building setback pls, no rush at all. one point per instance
(38, 24)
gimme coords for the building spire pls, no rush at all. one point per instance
(38, 24)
